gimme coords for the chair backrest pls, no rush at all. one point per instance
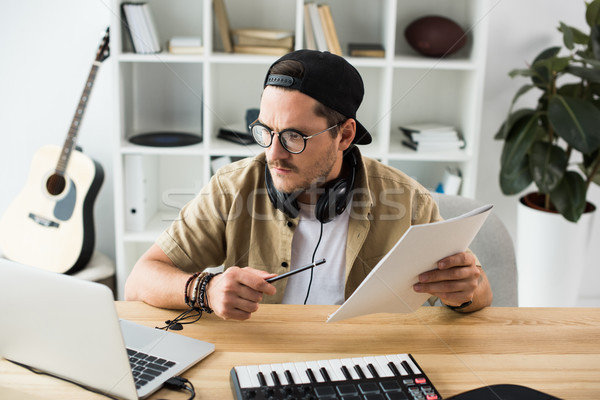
(492, 245)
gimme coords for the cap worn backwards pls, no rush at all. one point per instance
(329, 79)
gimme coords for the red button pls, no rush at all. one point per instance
(420, 380)
(432, 397)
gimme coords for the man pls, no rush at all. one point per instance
(310, 195)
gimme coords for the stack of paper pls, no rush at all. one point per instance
(389, 286)
(432, 137)
(185, 45)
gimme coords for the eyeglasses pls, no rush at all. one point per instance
(291, 140)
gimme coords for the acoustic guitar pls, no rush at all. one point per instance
(50, 224)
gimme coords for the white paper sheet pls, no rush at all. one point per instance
(389, 286)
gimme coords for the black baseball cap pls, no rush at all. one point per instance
(329, 79)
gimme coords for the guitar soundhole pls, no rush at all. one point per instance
(55, 184)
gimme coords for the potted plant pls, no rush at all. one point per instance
(556, 146)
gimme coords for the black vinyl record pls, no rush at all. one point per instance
(165, 139)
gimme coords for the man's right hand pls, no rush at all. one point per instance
(235, 293)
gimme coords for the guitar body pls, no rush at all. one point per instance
(49, 228)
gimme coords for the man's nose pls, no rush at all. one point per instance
(276, 150)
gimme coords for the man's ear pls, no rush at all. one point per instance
(347, 133)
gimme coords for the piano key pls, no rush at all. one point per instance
(301, 368)
(350, 366)
(275, 377)
(375, 365)
(384, 370)
(335, 369)
(291, 373)
(243, 377)
(314, 367)
(253, 372)
(397, 361)
(363, 366)
(265, 369)
(412, 364)
(279, 370)
(261, 379)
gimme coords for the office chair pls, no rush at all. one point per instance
(492, 245)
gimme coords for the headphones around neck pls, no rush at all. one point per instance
(330, 204)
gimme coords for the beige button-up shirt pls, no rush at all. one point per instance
(232, 222)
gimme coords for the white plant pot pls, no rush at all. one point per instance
(551, 257)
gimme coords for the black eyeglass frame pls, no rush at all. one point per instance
(304, 136)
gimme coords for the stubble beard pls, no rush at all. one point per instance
(310, 179)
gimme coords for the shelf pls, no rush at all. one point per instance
(202, 93)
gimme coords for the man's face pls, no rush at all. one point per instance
(320, 161)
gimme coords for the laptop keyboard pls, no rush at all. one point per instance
(146, 367)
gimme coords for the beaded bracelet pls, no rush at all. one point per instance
(187, 284)
(197, 283)
(204, 295)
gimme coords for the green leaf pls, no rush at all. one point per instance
(548, 164)
(589, 74)
(518, 141)
(568, 36)
(571, 90)
(553, 64)
(576, 121)
(542, 74)
(522, 72)
(592, 13)
(547, 53)
(591, 61)
(569, 196)
(595, 41)
(512, 119)
(515, 180)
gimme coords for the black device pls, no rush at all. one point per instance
(396, 376)
(331, 203)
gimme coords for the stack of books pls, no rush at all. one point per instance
(185, 45)
(141, 27)
(263, 41)
(319, 29)
(432, 137)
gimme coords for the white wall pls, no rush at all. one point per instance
(47, 48)
(518, 31)
(46, 51)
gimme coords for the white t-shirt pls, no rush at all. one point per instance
(328, 281)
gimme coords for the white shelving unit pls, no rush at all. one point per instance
(201, 93)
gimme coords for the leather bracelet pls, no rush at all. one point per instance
(463, 305)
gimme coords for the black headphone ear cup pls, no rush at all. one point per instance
(284, 202)
(332, 202)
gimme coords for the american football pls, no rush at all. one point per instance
(435, 36)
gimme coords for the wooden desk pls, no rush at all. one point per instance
(555, 350)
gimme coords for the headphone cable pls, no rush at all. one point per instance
(313, 261)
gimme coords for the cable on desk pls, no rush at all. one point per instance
(179, 383)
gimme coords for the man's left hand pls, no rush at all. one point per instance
(456, 281)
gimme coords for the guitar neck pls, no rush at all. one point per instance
(71, 139)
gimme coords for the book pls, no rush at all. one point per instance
(272, 34)
(366, 50)
(432, 137)
(389, 286)
(315, 21)
(141, 27)
(268, 50)
(185, 45)
(264, 37)
(223, 22)
(331, 37)
(309, 35)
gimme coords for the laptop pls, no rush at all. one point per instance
(69, 328)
